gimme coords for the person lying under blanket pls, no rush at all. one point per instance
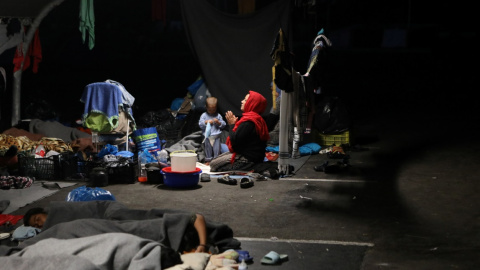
(176, 230)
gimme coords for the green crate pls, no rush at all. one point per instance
(331, 139)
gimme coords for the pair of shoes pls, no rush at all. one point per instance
(335, 168)
(227, 180)
(246, 182)
(205, 177)
(273, 257)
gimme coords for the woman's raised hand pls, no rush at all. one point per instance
(231, 118)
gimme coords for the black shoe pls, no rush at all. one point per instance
(321, 168)
(227, 180)
(246, 182)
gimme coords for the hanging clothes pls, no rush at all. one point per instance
(34, 51)
(87, 22)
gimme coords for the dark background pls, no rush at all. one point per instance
(386, 55)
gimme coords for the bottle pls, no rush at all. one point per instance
(163, 157)
(243, 265)
(142, 172)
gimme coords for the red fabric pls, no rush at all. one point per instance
(9, 218)
(254, 107)
(35, 51)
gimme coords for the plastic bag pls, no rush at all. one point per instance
(108, 150)
(83, 194)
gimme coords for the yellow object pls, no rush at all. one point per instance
(330, 139)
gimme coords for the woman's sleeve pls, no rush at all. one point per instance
(244, 134)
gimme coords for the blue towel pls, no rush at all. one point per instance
(25, 232)
(306, 149)
(102, 97)
(309, 149)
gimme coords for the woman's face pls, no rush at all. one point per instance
(37, 220)
(243, 102)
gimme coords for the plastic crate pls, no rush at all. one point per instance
(332, 139)
(58, 167)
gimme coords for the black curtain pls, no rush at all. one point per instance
(234, 50)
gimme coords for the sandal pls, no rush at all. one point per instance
(227, 180)
(246, 182)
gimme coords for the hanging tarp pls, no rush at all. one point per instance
(234, 50)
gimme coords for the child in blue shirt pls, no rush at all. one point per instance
(211, 123)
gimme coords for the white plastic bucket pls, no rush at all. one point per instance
(183, 161)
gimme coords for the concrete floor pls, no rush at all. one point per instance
(412, 197)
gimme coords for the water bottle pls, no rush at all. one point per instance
(243, 265)
(163, 157)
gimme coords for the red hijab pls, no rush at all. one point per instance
(252, 110)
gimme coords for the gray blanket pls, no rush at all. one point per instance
(80, 224)
(56, 130)
(105, 251)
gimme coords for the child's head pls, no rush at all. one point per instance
(211, 105)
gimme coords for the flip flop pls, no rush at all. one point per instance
(227, 180)
(246, 182)
(273, 257)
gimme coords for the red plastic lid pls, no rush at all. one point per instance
(169, 170)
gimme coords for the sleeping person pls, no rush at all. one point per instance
(176, 230)
(78, 227)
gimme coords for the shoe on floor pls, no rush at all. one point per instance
(321, 168)
(227, 180)
(246, 182)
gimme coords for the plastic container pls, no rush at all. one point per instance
(99, 177)
(180, 180)
(183, 161)
(58, 167)
(153, 174)
(331, 139)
